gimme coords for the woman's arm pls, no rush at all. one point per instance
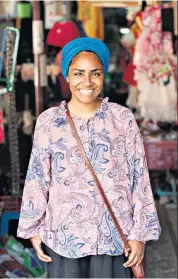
(146, 224)
(35, 195)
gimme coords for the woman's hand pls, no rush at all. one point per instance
(136, 255)
(36, 242)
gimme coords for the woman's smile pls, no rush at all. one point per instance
(86, 92)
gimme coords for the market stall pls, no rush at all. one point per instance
(142, 75)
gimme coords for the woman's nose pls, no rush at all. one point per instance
(87, 80)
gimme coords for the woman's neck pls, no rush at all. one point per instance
(83, 110)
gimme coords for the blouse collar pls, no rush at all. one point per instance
(99, 112)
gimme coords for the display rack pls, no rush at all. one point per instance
(163, 156)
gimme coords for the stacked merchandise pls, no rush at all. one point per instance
(17, 261)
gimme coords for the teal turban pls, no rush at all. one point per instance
(84, 44)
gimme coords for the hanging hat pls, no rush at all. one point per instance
(84, 44)
(61, 33)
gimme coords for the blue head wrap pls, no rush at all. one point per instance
(84, 44)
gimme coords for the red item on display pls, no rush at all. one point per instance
(128, 76)
(1, 127)
(61, 33)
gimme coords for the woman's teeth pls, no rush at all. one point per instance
(86, 92)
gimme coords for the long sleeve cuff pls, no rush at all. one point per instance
(146, 233)
(30, 232)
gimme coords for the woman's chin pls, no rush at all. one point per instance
(87, 98)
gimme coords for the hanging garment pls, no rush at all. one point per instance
(155, 70)
(61, 33)
(158, 102)
(132, 100)
(175, 7)
(128, 76)
(1, 124)
(92, 19)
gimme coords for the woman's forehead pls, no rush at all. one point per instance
(86, 56)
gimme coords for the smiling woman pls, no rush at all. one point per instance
(72, 229)
(85, 79)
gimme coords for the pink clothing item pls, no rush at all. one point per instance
(2, 136)
(61, 202)
(154, 49)
(156, 69)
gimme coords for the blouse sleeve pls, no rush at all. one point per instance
(146, 224)
(35, 194)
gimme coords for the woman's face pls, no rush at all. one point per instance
(85, 77)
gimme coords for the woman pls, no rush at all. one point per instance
(62, 208)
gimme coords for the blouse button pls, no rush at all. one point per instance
(79, 207)
(82, 127)
(65, 228)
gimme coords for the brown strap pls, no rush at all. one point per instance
(96, 179)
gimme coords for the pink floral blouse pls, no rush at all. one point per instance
(61, 202)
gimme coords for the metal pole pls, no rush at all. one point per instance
(39, 58)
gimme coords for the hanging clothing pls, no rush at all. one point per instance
(129, 73)
(128, 76)
(175, 7)
(61, 202)
(92, 18)
(156, 68)
(132, 100)
(2, 135)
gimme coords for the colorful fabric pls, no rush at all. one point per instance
(156, 69)
(84, 44)
(128, 76)
(92, 19)
(61, 202)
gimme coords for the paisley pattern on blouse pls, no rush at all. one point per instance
(61, 202)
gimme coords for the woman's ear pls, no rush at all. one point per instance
(67, 79)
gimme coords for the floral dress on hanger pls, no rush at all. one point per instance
(128, 76)
(155, 71)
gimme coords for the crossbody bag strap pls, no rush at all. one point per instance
(98, 184)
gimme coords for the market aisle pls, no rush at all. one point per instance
(161, 256)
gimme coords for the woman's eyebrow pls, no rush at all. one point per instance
(94, 70)
(82, 70)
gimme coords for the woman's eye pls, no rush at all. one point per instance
(78, 74)
(96, 74)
